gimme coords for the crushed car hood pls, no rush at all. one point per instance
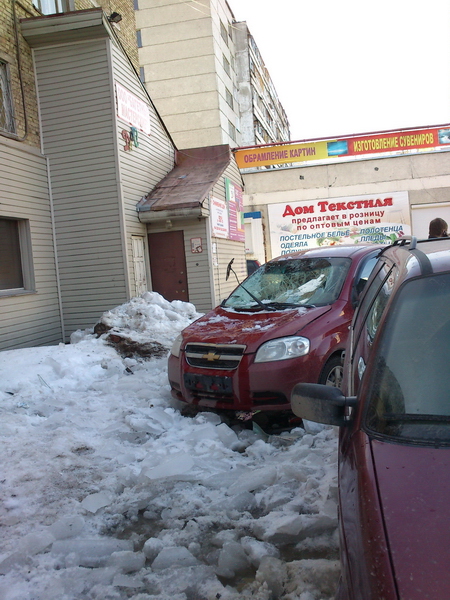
(414, 488)
(227, 326)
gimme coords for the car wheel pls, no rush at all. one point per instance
(332, 372)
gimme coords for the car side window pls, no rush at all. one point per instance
(367, 320)
(363, 274)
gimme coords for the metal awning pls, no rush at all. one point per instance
(182, 193)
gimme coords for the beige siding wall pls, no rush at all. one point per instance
(79, 139)
(29, 319)
(227, 249)
(142, 167)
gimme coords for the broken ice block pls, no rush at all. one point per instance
(91, 552)
(175, 556)
(95, 502)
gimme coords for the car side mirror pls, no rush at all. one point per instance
(321, 403)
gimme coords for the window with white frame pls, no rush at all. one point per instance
(16, 271)
(6, 105)
(226, 65)
(224, 33)
(51, 7)
(232, 131)
(229, 97)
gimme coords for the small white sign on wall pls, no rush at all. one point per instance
(132, 110)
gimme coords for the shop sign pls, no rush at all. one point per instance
(235, 201)
(132, 110)
(376, 218)
(390, 142)
(219, 218)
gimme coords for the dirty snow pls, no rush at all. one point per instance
(108, 492)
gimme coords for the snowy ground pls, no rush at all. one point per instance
(108, 492)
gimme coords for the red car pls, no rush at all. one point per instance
(287, 322)
(394, 417)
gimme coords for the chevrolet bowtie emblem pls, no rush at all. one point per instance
(211, 356)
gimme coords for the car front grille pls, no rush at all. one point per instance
(214, 356)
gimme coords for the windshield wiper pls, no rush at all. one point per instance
(257, 300)
(281, 305)
(409, 418)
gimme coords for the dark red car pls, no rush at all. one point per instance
(287, 322)
(394, 414)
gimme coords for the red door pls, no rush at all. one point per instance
(168, 265)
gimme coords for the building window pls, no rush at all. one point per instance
(51, 7)
(142, 74)
(232, 131)
(6, 105)
(226, 66)
(15, 256)
(135, 4)
(229, 97)
(139, 38)
(224, 33)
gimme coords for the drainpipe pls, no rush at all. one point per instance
(55, 251)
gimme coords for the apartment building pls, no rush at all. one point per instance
(206, 75)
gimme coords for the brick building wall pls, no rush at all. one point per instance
(22, 80)
(125, 30)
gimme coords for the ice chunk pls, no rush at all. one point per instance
(226, 479)
(232, 560)
(173, 466)
(312, 578)
(207, 431)
(256, 550)
(208, 417)
(90, 552)
(67, 527)
(127, 581)
(152, 548)
(273, 572)
(95, 502)
(285, 529)
(127, 561)
(312, 427)
(13, 560)
(33, 543)
(181, 585)
(143, 425)
(228, 437)
(241, 502)
(175, 556)
(254, 480)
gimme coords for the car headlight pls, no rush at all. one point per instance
(282, 348)
(176, 346)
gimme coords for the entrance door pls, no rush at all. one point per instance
(168, 265)
(140, 276)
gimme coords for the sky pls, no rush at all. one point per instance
(108, 491)
(354, 67)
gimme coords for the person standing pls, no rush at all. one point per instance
(437, 228)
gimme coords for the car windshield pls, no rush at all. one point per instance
(291, 282)
(409, 389)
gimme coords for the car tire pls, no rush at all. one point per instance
(332, 372)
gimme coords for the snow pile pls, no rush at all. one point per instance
(150, 317)
(109, 492)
